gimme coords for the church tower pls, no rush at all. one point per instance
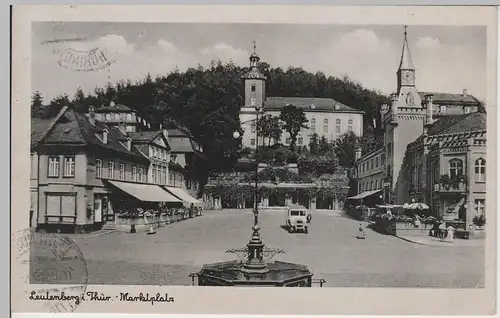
(255, 86)
(404, 123)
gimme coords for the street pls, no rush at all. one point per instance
(331, 251)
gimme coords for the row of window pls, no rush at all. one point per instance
(457, 169)
(159, 153)
(369, 186)
(138, 174)
(159, 174)
(371, 164)
(54, 169)
(117, 117)
(338, 126)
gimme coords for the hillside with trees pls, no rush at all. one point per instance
(207, 102)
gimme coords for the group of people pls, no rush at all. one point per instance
(442, 232)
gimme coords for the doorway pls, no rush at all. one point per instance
(97, 209)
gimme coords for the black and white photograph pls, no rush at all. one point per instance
(255, 155)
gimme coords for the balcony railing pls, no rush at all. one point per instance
(451, 188)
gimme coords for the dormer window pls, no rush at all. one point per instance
(337, 107)
(105, 136)
(443, 109)
(467, 110)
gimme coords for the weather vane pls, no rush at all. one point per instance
(406, 27)
(254, 46)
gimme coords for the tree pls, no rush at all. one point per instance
(345, 148)
(80, 101)
(270, 128)
(36, 103)
(294, 119)
(57, 104)
(313, 144)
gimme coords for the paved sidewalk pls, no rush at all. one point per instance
(433, 241)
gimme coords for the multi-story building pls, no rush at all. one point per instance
(185, 154)
(446, 167)
(154, 146)
(369, 170)
(327, 117)
(434, 149)
(76, 156)
(121, 117)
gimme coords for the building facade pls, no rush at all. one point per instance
(76, 155)
(327, 117)
(447, 167)
(434, 149)
(369, 170)
(154, 146)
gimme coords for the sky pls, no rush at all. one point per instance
(447, 59)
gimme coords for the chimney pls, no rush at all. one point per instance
(91, 115)
(165, 133)
(105, 136)
(129, 144)
(429, 111)
(464, 92)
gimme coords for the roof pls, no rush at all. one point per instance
(39, 127)
(458, 123)
(114, 109)
(180, 144)
(176, 133)
(147, 136)
(75, 129)
(441, 98)
(309, 104)
(406, 62)
(175, 166)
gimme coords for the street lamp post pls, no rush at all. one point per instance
(255, 265)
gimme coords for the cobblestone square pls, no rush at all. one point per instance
(331, 251)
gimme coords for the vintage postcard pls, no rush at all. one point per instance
(181, 159)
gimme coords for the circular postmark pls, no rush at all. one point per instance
(56, 263)
(85, 61)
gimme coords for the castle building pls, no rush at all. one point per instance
(428, 135)
(326, 117)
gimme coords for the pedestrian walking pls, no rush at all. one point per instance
(449, 234)
(361, 233)
(442, 230)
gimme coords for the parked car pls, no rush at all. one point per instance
(296, 219)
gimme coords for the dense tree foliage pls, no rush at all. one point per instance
(293, 120)
(269, 127)
(207, 102)
(36, 103)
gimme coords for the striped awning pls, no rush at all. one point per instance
(365, 194)
(145, 192)
(183, 195)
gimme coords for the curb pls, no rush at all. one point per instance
(427, 244)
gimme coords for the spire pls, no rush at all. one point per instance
(254, 46)
(406, 62)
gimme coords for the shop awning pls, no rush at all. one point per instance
(145, 192)
(183, 195)
(365, 194)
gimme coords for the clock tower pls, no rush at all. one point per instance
(255, 94)
(404, 123)
(255, 83)
(406, 70)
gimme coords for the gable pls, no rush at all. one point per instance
(160, 141)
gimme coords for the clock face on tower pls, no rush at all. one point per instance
(407, 77)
